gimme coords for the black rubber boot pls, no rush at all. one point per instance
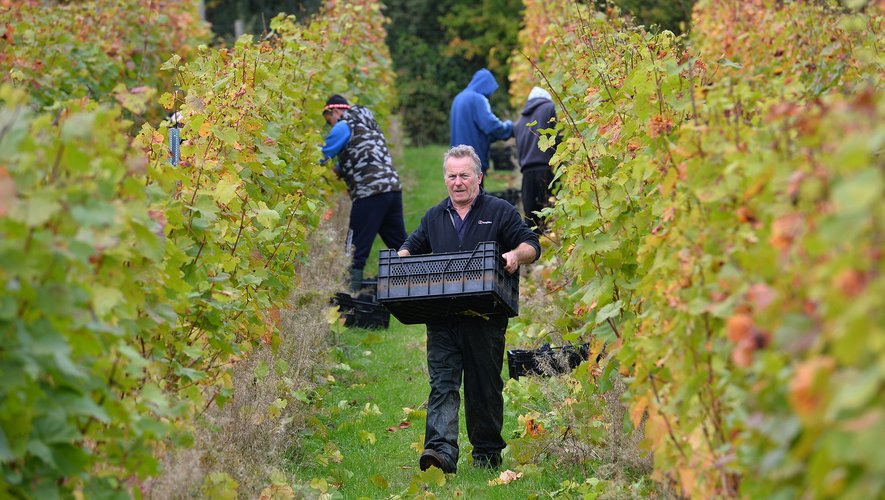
(356, 279)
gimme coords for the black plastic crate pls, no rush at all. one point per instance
(545, 360)
(362, 311)
(503, 155)
(510, 195)
(368, 289)
(424, 288)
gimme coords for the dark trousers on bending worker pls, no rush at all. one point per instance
(536, 195)
(381, 214)
(471, 347)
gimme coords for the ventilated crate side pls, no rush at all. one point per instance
(421, 288)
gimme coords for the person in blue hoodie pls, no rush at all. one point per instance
(471, 120)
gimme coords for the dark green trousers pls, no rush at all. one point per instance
(469, 349)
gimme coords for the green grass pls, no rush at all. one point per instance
(423, 185)
(356, 442)
(498, 180)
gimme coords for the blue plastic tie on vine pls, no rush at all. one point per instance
(174, 145)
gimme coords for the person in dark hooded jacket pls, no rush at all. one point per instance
(534, 163)
(471, 120)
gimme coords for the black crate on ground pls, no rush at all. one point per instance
(424, 288)
(368, 289)
(545, 360)
(362, 311)
(503, 155)
(511, 195)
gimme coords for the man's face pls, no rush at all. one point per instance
(461, 181)
(332, 116)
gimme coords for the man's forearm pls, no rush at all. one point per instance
(525, 253)
(522, 254)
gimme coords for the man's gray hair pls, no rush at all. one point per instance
(464, 151)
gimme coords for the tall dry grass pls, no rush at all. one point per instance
(247, 438)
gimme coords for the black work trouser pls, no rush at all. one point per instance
(381, 214)
(535, 194)
(472, 347)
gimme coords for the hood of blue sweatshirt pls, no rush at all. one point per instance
(483, 82)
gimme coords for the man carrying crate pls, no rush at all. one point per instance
(468, 345)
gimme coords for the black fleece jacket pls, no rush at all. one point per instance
(490, 219)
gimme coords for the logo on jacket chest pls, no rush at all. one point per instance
(482, 222)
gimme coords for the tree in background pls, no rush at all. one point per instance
(253, 16)
(484, 34)
(673, 15)
(426, 79)
(437, 45)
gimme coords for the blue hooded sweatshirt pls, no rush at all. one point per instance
(471, 119)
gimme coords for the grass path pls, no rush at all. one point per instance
(367, 430)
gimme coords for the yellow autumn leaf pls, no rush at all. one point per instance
(332, 316)
(412, 414)
(433, 475)
(655, 429)
(637, 410)
(688, 480)
(418, 446)
(320, 485)
(104, 299)
(505, 477)
(379, 481)
(205, 129)
(370, 409)
(226, 189)
(368, 437)
(266, 216)
(277, 492)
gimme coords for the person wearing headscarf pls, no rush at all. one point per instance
(365, 164)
